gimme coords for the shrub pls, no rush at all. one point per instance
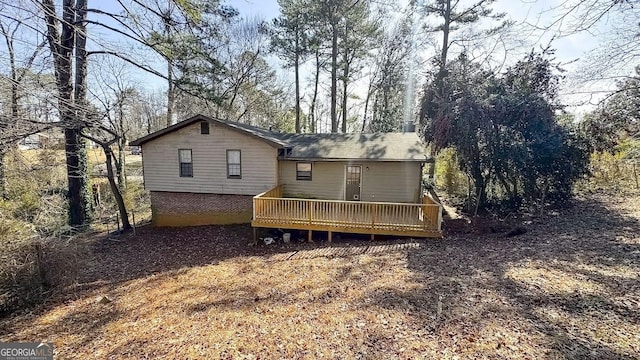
(448, 174)
(32, 268)
(136, 199)
(611, 172)
(35, 261)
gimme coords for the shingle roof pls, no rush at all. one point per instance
(259, 132)
(263, 134)
(377, 147)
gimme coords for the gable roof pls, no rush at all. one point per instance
(267, 136)
(376, 147)
(327, 147)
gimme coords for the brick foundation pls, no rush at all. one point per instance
(189, 209)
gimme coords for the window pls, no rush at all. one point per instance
(284, 152)
(303, 171)
(186, 163)
(204, 127)
(234, 166)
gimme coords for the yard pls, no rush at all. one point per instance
(568, 288)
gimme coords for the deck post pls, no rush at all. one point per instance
(329, 236)
(255, 235)
(310, 235)
(373, 236)
(374, 211)
(254, 208)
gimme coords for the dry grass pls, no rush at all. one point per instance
(33, 268)
(568, 288)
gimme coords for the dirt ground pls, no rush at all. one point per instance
(567, 288)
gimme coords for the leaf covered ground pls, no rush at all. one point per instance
(568, 288)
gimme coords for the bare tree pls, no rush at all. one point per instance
(9, 28)
(115, 93)
(319, 64)
(66, 37)
(105, 143)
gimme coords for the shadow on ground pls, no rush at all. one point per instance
(568, 288)
(571, 282)
(158, 250)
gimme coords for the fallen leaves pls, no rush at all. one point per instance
(567, 288)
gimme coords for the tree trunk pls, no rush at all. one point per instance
(334, 74)
(171, 96)
(366, 103)
(374, 116)
(469, 193)
(171, 99)
(345, 82)
(62, 48)
(120, 164)
(445, 41)
(148, 124)
(386, 94)
(3, 179)
(117, 195)
(441, 74)
(312, 110)
(297, 70)
(14, 116)
(76, 155)
(77, 167)
(14, 77)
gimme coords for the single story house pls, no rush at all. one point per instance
(209, 171)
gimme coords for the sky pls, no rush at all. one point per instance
(569, 50)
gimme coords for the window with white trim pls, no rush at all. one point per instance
(186, 162)
(303, 171)
(234, 164)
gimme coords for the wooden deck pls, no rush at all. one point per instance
(272, 210)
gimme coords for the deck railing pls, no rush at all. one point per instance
(271, 209)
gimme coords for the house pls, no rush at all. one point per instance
(30, 142)
(46, 139)
(208, 171)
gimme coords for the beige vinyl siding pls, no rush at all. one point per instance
(209, 152)
(327, 180)
(381, 181)
(391, 182)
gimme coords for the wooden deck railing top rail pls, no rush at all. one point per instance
(276, 192)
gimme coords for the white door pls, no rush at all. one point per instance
(353, 180)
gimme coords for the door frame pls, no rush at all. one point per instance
(344, 182)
